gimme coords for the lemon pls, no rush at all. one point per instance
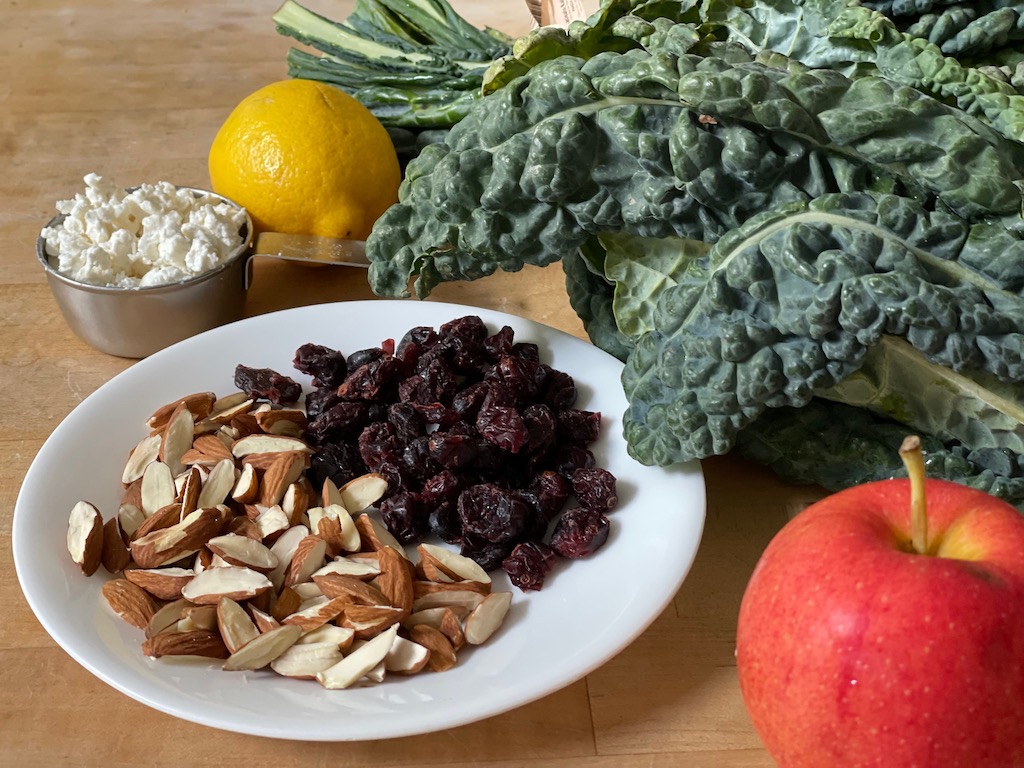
(306, 158)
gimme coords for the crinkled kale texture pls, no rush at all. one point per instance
(753, 236)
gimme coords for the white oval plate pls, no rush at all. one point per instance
(588, 611)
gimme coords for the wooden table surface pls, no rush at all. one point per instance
(135, 91)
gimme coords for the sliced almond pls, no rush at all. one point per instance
(164, 517)
(190, 489)
(161, 583)
(157, 489)
(485, 619)
(247, 487)
(442, 655)
(317, 614)
(85, 537)
(287, 603)
(177, 438)
(234, 624)
(130, 602)
(243, 526)
(296, 501)
(457, 567)
(237, 583)
(261, 443)
(363, 491)
(199, 617)
(342, 637)
(330, 494)
(212, 446)
(199, 403)
(241, 550)
(287, 422)
(452, 628)
(133, 494)
(180, 540)
(218, 485)
(374, 535)
(272, 522)
(406, 657)
(284, 549)
(361, 569)
(308, 590)
(286, 468)
(262, 650)
(375, 675)
(349, 587)
(369, 620)
(142, 455)
(264, 621)
(200, 642)
(306, 660)
(130, 518)
(307, 559)
(230, 407)
(432, 617)
(116, 555)
(421, 588)
(396, 580)
(352, 667)
(458, 600)
(166, 616)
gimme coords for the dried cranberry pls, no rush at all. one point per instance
(595, 488)
(540, 428)
(453, 451)
(579, 427)
(267, 384)
(492, 513)
(326, 366)
(378, 445)
(405, 516)
(488, 554)
(364, 357)
(551, 490)
(520, 377)
(406, 421)
(319, 400)
(417, 463)
(529, 564)
(497, 345)
(340, 462)
(340, 420)
(467, 403)
(414, 343)
(579, 532)
(571, 457)
(443, 487)
(502, 426)
(469, 327)
(525, 350)
(444, 522)
(559, 390)
(377, 380)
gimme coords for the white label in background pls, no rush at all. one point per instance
(560, 12)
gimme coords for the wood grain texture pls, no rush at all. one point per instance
(135, 91)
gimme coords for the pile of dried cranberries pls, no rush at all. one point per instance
(479, 441)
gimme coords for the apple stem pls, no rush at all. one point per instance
(913, 460)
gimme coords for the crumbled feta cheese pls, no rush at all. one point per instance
(155, 235)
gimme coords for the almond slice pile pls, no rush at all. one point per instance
(222, 549)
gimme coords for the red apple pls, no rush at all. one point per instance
(857, 648)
